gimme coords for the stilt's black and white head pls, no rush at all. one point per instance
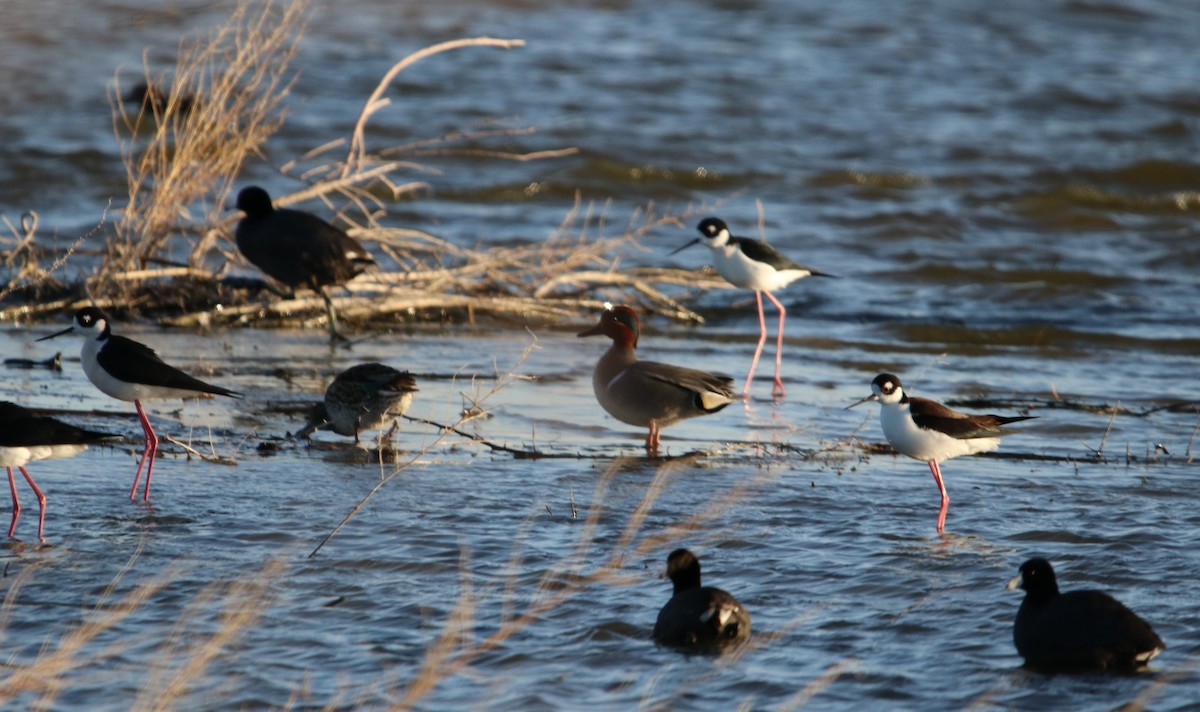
(885, 389)
(88, 323)
(714, 231)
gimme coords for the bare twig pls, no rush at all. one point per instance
(1099, 452)
(375, 102)
(223, 103)
(212, 458)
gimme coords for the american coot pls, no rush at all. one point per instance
(298, 249)
(648, 394)
(24, 438)
(1077, 629)
(127, 370)
(925, 430)
(155, 99)
(363, 397)
(753, 264)
(698, 618)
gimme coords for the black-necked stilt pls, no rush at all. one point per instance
(929, 431)
(25, 438)
(363, 397)
(298, 249)
(130, 371)
(645, 393)
(1077, 630)
(698, 617)
(753, 264)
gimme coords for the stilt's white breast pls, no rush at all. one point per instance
(20, 455)
(923, 443)
(115, 387)
(102, 379)
(741, 271)
(13, 456)
(60, 451)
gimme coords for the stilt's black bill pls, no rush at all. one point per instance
(681, 249)
(64, 332)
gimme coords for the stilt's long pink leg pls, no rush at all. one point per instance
(147, 454)
(937, 476)
(12, 486)
(41, 498)
(777, 391)
(762, 339)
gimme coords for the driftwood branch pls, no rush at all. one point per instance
(376, 101)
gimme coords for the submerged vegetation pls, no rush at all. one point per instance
(167, 252)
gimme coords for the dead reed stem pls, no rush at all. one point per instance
(224, 101)
(183, 150)
(570, 576)
(1099, 451)
(831, 674)
(23, 262)
(358, 152)
(49, 673)
(242, 600)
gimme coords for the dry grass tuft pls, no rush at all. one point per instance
(186, 653)
(184, 147)
(51, 671)
(23, 263)
(186, 656)
(453, 652)
(222, 104)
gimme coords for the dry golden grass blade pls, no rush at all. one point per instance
(243, 601)
(30, 274)
(49, 673)
(236, 79)
(142, 275)
(453, 637)
(358, 153)
(24, 248)
(827, 678)
(15, 584)
(637, 278)
(561, 582)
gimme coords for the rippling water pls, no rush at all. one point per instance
(1008, 193)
